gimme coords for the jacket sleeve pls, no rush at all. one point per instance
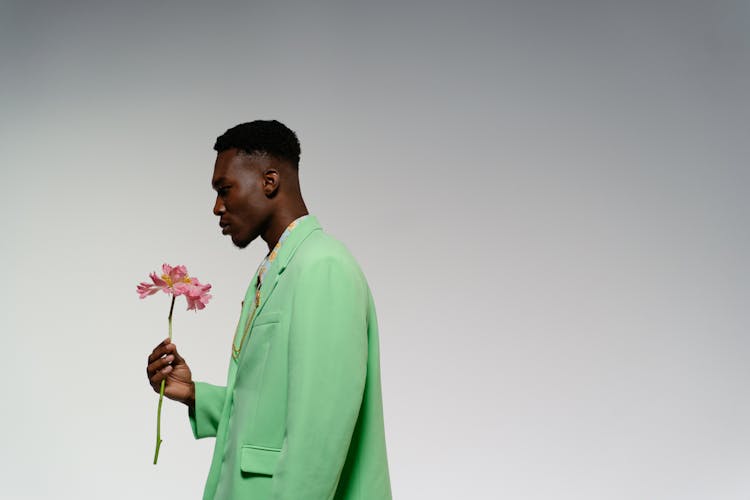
(327, 370)
(209, 403)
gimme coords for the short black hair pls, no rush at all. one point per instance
(262, 136)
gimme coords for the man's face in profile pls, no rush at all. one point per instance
(242, 204)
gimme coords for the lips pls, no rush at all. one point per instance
(224, 227)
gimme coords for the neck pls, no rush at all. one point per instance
(280, 222)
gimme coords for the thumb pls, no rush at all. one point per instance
(177, 358)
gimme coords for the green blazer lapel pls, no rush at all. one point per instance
(247, 306)
(305, 228)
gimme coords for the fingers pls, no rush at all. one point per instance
(159, 363)
(157, 379)
(160, 350)
(156, 375)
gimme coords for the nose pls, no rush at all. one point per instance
(219, 206)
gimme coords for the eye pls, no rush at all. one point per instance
(222, 191)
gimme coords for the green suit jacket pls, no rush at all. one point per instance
(301, 416)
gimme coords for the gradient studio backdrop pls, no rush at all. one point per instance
(551, 201)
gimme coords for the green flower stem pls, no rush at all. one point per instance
(161, 392)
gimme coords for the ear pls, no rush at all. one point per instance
(271, 182)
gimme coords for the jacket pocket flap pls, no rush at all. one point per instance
(266, 318)
(259, 459)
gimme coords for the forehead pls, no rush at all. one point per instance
(232, 164)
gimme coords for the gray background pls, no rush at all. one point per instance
(550, 201)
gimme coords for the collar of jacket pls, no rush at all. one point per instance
(290, 245)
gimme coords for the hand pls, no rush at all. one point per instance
(165, 363)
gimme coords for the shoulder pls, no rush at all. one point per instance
(321, 253)
(323, 249)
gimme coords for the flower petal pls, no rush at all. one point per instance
(181, 289)
(177, 273)
(146, 289)
(158, 281)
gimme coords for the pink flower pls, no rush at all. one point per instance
(196, 293)
(175, 281)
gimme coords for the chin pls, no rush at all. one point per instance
(242, 243)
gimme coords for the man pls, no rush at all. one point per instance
(301, 416)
